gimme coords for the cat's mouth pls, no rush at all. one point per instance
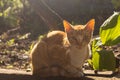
(79, 46)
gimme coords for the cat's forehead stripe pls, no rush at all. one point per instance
(79, 27)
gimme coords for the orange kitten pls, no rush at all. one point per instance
(62, 53)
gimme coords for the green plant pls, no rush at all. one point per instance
(10, 42)
(9, 10)
(102, 55)
(110, 30)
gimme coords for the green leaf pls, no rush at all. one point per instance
(90, 62)
(103, 60)
(96, 43)
(95, 61)
(110, 30)
(10, 42)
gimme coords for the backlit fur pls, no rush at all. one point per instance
(62, 53)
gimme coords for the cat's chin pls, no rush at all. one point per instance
(79, 47)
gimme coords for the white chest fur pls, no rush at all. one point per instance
(78, 56)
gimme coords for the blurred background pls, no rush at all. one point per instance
(40, 16)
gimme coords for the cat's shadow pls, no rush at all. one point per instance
(30, 77)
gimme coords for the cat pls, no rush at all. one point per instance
(62, 53)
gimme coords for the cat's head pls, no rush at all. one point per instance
(79, 35)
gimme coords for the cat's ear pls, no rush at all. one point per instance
(67, 26)
(90, 25)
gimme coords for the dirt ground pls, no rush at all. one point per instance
(6, 74)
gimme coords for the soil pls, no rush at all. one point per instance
(8, 74)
